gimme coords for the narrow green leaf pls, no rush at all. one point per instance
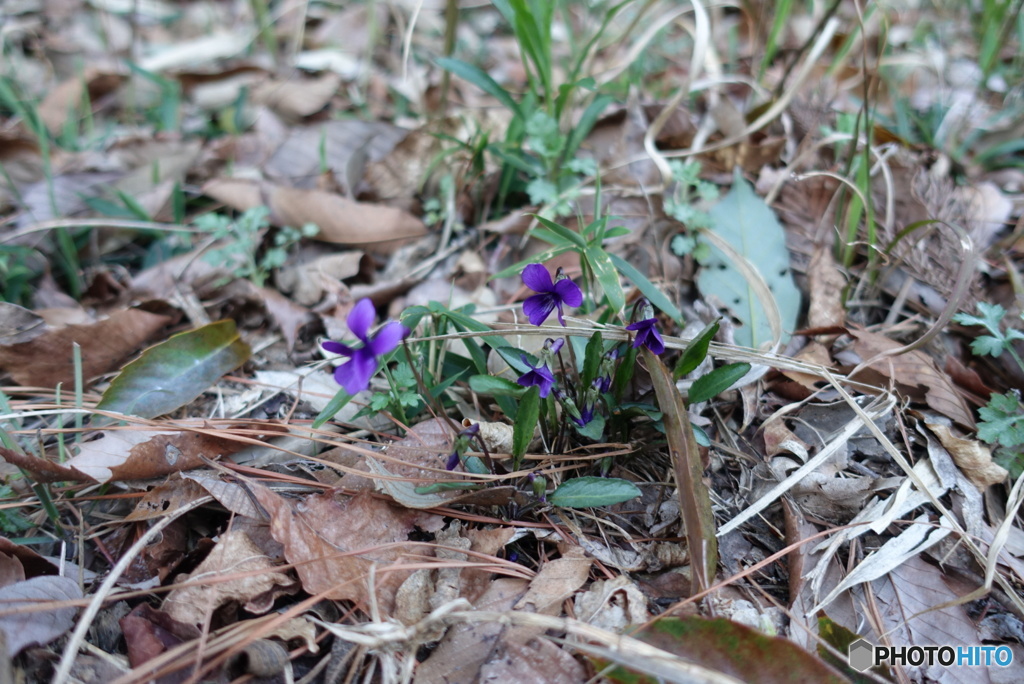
(517, 268)
(592, 359)
(696, 351)
(600, 262)
(526, 422)
(650, 290)
(496, 387)
(586, 122)
(588, 492)
(171, 374)
(551, 237)
(694, 499)
(717, 381)
(336, 403)
(563, 232)
(481, 80)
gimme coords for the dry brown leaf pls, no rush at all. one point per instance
(143, 454)
(22, 163)
(48, 359)
(67, 96)
(294, 99)
(335, 544)
(42, 469)
(33, 564)
(169, 496)
(825, 285)
(971, 456)
(11, 570)
(343, 147)
(537, 661)
(231, 495)
(341, 220)
(235, 570)
(289, 316)
(307, 283)
(40, 627)
(557, 580)
(915, 375)
(467, 646)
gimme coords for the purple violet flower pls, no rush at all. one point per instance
(551, 295)
(647, 335)
(586, 415)
(354, 375)
(537, 375)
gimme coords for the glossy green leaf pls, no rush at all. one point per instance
(600, 262)
(562, 232)
(517, 268)
(592, 359)
(173, 373)
(717, 381)
(588, 492)
(649, 289)
(526, 422)
(337, 402)
(495, 387)
(696, 351)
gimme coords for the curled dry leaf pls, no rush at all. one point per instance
(235, 570)
(33, 564)
(914, 373)
(48, 358)
(38, 627)
(334, 545)
(341, 220)
(825, 285)
(144, 454)
(557, 580)
(307, 283)
(294, 99)
(42, 469)
(971, 456)
(169, 496)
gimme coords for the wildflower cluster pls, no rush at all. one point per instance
(579, 403)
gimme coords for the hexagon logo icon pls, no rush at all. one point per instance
(861, 655)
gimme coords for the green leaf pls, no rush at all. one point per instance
(601, 264)
(701, 436)
(717, 381)
(526, 422)
(585, 123)
(987, 345)
(593, 430)
(517, 268)
(696, 351)
(481, 80)
(1002, 420)
(495, 387)
(745, 222)
(588, 492)
(171, 374)
(650, 290)
(563, 232)
(592, 359)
